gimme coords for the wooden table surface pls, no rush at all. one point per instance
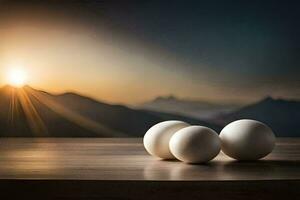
(126, 159)
(51, 168)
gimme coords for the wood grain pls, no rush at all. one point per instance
(126, 159)
(49, 168)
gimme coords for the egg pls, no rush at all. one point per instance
(195, 144)
(157, 138)
(247, 140)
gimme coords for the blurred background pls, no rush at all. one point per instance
(114, 68)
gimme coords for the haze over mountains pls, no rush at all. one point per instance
(283, 116)
(186, 107)
(27, 112)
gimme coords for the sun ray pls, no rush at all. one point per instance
(34, 120)
(13, 106)
(11, 112)
(75, 117)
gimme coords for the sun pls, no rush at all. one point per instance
(16, 77)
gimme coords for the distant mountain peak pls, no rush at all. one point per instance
(280, 114)
(168, 97)
(171, 97)
(267, 99)
(272, 100)
(9, 87)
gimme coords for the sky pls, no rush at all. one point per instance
(132, 51)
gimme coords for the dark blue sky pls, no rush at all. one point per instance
(246, 38)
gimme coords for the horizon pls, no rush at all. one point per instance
(28, 112)
(129, 53)
(146, 101)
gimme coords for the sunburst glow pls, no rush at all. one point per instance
(16, 77)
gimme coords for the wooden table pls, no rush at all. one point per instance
(89, 168)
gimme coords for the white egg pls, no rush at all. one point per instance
(156, 139)
(195, 144)
(247, 140)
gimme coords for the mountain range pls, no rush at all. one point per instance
(27, 112)
(283, 116)
(191, 108)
